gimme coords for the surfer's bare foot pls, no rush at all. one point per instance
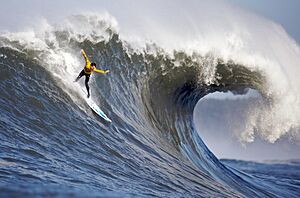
(88, 95)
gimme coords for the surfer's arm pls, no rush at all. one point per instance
(87, 62)
(100, 71)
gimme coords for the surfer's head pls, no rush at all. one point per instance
(93, 65)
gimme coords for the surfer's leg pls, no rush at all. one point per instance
(87, 78)
(79, 76)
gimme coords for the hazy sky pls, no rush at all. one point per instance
(15, 14)
(284, 12)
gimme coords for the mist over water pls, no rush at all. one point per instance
(223, 121)
(166, 59)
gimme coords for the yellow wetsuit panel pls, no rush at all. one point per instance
(99, 71)
(87, 67)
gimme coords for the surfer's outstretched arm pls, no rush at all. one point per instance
(101, 71)
(87, 62)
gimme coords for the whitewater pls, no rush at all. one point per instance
(162, 65)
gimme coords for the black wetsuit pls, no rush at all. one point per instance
(87, 78)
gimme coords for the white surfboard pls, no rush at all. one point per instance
(95, 107)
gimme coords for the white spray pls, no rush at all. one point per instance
(193, 26)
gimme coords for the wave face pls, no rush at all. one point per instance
(52, 143)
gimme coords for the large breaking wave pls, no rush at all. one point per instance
(50, 136)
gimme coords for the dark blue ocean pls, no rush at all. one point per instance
(53, 145)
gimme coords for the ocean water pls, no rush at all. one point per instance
(52, 144)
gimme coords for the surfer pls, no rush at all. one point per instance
(87, 71)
